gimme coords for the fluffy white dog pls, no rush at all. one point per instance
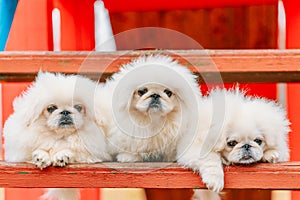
(54, 123)
(236, 129)
(152, 102)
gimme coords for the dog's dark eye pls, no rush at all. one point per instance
(232, 143)
(143, 91)
(258, 141)
(168, 92)
(51, 108)
(78, 108)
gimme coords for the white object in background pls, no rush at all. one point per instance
(281, 87)
(281, 43)
(104, 38)
(281, 40)
(56, 29)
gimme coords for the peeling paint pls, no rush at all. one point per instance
(23, 172)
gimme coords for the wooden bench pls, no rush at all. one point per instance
(247, 66)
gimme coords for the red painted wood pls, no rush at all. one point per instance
(234, 65)
(282, 61)
(146, 175)
(137, 5)
(292, 10)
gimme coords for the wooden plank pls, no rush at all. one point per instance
(255, 66)
(135, 5)
(190, 28)
(146, 175)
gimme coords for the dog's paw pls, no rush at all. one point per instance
(214, 181)
(62, 158)
(271, 156)
(127, 157)
(41, 159)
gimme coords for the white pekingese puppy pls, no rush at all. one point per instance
(151, 103)
(236, 129)
(54, 123)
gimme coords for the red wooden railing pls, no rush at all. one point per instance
(263, 66)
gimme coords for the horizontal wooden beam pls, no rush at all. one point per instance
(249, 66)
(146, 175)
(135, 5)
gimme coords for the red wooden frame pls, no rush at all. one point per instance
(146, 175)
(250, 66)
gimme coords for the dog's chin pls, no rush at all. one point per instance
(155, 108)
(161, 108)
(241, 157)
(64, 125)
(63, 128)
(246, 160)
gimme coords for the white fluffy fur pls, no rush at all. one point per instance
(228, 114)
(32, 134)
(135, 132)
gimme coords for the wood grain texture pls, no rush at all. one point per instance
(249, 66)
(248, 27)
(135, 5)
(146, 175)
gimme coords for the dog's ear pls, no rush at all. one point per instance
(28, 107)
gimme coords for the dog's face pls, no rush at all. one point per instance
(253, 130)
(154, 99)
(244, 144)
(64, 117)
(58, 103)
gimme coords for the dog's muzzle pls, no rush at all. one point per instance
(247, 152)
(65, 119)
(155, 102)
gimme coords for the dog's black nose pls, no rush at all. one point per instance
(247, 146)
(155, 96)
(65, 112)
